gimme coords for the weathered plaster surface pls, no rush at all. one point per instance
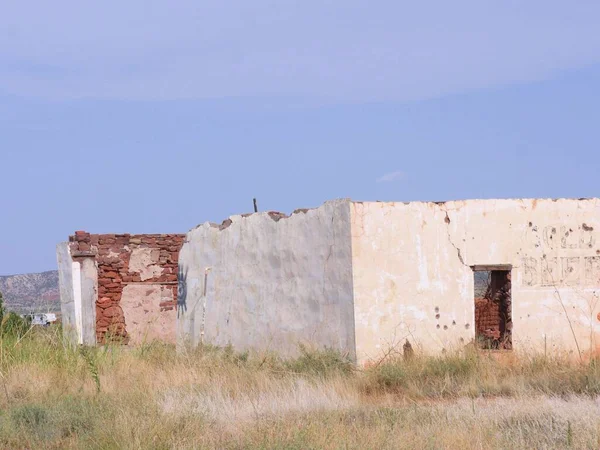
(145, 261)
(272, 282)
(78, 283)
(146, 314)
(413, 277)
(77, 301)
(67, 301)
(89, 294)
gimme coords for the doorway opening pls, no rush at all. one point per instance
(493, 305)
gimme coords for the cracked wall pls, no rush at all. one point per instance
(269, 281)
(413, 277)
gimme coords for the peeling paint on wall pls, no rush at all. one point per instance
(362, 277)
(553, 257)
(145, 261)
(135, 285)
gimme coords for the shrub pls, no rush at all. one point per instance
(320, 362)
(11, 324)
(30, 416)
(14, 325)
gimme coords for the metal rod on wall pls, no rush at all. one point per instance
(204, 306)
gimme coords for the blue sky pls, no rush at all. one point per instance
(157, 116)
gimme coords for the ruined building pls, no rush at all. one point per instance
(365, 278)
(119, 287)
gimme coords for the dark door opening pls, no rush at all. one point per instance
(493, 320)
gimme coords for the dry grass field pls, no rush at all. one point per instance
(54, 396)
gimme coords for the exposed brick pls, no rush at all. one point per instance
(104, 302)
(493, 312)
(113, 256)
(113, 311)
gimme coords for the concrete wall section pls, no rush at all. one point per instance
(77, 301)
(554, 247)
(409, 282)
(67, 301)
(89, 294)
(78, 282)
(272, 281)
(413, 272)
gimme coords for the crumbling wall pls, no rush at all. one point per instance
(493, 318)
(413, 273)
(269, 282)
(136, 284)
(488, 319)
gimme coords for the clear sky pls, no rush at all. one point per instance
(146, 116)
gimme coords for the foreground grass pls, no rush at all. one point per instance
(53, 396)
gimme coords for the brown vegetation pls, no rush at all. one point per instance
(55, 396)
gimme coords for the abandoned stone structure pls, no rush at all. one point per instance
(119, 286)
(365, 277)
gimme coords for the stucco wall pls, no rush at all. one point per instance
(149, 313)
(88, 272)
(78, 285)
(273, 281)
(413, 277)
(67, 301)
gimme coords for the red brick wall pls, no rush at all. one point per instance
(487, 318)
(493, 316)
(157, 265)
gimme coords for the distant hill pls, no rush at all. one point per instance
(39, 291)
(31, 292)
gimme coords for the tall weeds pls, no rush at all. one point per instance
(57, 396)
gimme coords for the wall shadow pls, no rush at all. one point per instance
(181, 291)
